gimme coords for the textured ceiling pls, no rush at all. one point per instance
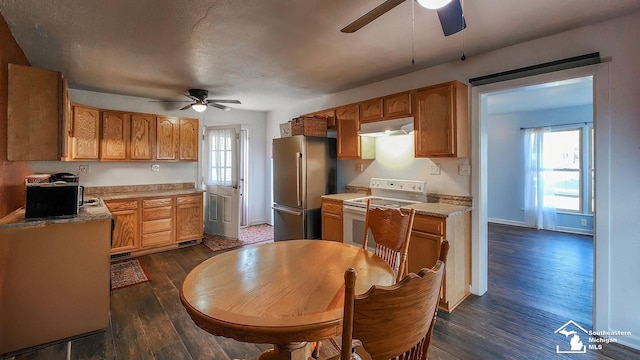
(266, 53)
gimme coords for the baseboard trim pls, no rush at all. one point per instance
(559, 228)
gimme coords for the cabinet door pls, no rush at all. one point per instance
(441, 122)
(34, 112)
(424, 251)
(348, 124)
(189, 131)
(397, 105)
(126, 219)
(371, 110)
(167, 138)
(189, 221)
(115, 135)
(85, 133)
(331, 227)
(143, 136)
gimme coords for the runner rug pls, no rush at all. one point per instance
(249, 235)
(127, 273)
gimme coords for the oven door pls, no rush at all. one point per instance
(353, 227)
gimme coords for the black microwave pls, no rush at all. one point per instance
(57, 199)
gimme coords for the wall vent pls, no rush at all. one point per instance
(117, 257)
(187, 243)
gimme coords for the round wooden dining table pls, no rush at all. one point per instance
(286, 293)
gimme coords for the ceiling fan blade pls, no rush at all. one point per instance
(191, 97)
(169, 101)
(186, 107)
(371, 15)
(452, 18)
(223, 101)
(222, 107)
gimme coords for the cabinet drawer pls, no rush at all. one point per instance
(332, 207)
(429, 224)
(152, 226)
(121, 205)
(149, 203)
(195, 199)
(157, 239)
(157, 213)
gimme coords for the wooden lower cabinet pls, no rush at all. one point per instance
(125, 235)
(424, 249)
(332, 220)
(189, 221)
(157, 222)
(151, 224)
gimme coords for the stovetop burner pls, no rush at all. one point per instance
(392, 193)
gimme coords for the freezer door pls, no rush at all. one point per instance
(288, 171)
(293, 224)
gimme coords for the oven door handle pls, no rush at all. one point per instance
(353, 210)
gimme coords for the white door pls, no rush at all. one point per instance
(220, 176)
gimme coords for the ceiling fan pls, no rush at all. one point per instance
(449, 12)
(200, 101)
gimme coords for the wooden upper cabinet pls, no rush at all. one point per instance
(397, 105)
(143, 136)
(85, 133)
(348, 124)
(189, 131)
(371, 110)
(35, 113)
(167, 138)
(441, 121)
(114, 141)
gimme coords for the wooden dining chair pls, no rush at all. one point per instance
(391, 231)
(396, 321)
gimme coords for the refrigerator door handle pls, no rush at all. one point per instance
(296, 213)
(298, 177)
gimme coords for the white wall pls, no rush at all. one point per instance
(137, 173)
(616, 40)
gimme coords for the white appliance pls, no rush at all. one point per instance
(385, 193)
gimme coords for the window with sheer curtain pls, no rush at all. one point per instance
(220, 156)
(558, 173)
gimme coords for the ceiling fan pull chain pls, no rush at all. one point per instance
(463, 57)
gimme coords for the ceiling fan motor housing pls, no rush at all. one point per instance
(199, 94)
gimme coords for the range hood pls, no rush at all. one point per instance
(401, 126)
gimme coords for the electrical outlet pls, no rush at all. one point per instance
(464, 170)
(84, 169)
(583, 222)
(155, 167)
(435, 169)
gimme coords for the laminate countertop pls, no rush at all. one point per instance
(144, 194)
(88, 212)
(439, 209)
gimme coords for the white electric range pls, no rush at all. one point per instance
(385, 193)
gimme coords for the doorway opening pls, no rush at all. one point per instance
(480, 177)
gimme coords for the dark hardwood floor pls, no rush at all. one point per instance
(538, 281)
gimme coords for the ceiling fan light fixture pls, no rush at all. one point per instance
(433, 4)
(199, 107)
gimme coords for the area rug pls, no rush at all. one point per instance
(127, 273)
(249, 235)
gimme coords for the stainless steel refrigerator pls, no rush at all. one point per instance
(304, 169)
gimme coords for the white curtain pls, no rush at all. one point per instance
(219, 161)
(539, 208)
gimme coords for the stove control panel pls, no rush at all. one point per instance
(412, 186)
